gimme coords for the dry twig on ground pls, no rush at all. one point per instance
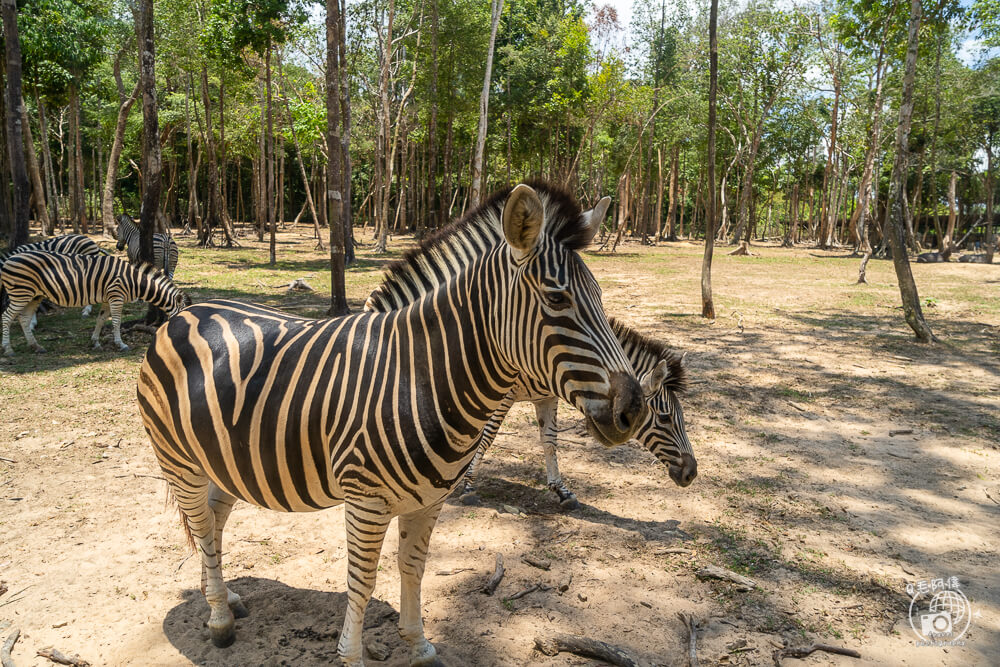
(803, 651)
(586, 647)
(715, 572)
(688, 621)
(5, 659)
(56, 656)
(491, 584)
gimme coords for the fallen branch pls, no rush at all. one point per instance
(904, 431)
(991, 497)
(714, 572)
(692, 638)
(7, 460)
(804, 651)
(588, 648)
(179, 566)
(521, 594)
(55, 656)
(491, 584)
(5, 659)
(448, 573)
(540, 563)
(673, 550)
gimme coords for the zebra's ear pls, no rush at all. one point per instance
(593, 218)
(652, 380)
(522, 219)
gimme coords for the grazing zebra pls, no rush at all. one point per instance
(661, 373)
(165, 252)
(660, 369)
(381, 411)
(78, 280)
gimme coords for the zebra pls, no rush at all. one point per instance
(380, 411)
(662, 376)
(165, 253)
(661, 369)
(77, 280)
(67, 244)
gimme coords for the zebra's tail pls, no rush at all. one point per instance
(171, 498)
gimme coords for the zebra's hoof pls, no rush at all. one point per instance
(8, 352)
(39, 349)
(423, 654)
(97, 346)
(470, 498)
(569, 503)
(223, 637)
(123, 347)
(239, 609)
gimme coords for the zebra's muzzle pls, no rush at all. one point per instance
(684, 473)
(613, 420)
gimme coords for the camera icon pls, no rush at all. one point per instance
(936, 624)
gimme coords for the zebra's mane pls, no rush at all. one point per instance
(154, 272)
(442, 254)
(676, 379)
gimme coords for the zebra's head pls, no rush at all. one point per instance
(662, 432)
(125, 224)
(554, 329)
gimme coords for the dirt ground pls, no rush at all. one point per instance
(839, 461)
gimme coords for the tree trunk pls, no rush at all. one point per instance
(334, 179)
(271, 213)
(707, 305)
(432, 126)
(989, 199)
(77, 161)
(345, 137)
(302, 165)
(952, 211)
(41, 210)
(111, 176)
(151, 163)
(496, 7)
(897, 219)
(50, 179)
(672, 210)
(215, 213)
(15, 135)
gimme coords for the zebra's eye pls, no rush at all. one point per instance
(557, 299)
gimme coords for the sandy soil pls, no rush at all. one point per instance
(838, 460)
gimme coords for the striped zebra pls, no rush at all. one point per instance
(380, 411)
(661, 374)
(67, 244)
(660, 369)
(78, 280)
(165, 253)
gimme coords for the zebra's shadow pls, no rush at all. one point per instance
(286, 625)
(496, 492)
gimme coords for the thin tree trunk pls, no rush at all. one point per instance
(50, 180)
(302, 166)
(111, 176)
(151, 162)
(484, 105)
(334, 179)
(952, 211)
(76, 161)
(216, 213)
(41, 210)
(897, 219)
(345, 137)
(15, 136)
(707, 305)
(672, 210)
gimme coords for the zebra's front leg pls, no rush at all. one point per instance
(545, 410)
(116, 306)
(102, 315)
(414, 537)
(221, 504)
(365, 532)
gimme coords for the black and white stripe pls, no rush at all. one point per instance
(379, 411)
(67, 244)
(80, 280)
(661, 373)
(165, 253)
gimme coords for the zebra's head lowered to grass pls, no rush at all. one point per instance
(661, 374)
(155, 287)
(542, 302)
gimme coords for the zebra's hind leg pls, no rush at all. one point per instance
(221, 504)
(545, 410)
(414, 537)
(469, 495)
(26, 316)
(192, 493)
(102, 315)
(116, 306)
(366, 528)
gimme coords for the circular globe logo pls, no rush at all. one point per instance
(945, 617)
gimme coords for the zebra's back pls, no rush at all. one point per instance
(67, 280)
